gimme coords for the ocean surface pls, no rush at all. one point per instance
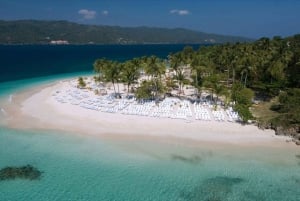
(87, 168)
(27, 61)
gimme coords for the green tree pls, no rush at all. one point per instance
(131, 72)
(177, 65)
(187, 54)
(212, 82)
(112, 72)
(245, 96)
(99, 66)
(81, 82)
(181, 78)
(201, 67)
(243, 100)
(288, 108)
(144, 91)
(243, 112)
(155, 69)
(148, 89)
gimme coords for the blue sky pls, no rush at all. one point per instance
(250, 18)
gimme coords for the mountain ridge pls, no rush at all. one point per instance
(43, 32)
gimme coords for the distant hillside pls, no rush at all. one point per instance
(43, 32)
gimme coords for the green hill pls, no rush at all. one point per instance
(43, 32)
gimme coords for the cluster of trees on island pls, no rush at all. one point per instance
(240, 73)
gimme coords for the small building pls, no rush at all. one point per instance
(59, 42)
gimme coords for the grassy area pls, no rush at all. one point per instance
(262, 111)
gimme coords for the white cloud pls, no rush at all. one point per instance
(105, 12)
(87, 14)
(180, 12)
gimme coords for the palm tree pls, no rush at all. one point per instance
(198, 65)
(131, 72)
(213, 83)
(112, 72)
(225, 58)
(244, 74)
(155, 68)
(187, 54)
(180, 77)
(176, 61)
(276, 70)
(99, 66)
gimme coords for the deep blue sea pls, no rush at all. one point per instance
(27, 61)
(89, 168)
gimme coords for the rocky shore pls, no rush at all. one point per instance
(293, 132)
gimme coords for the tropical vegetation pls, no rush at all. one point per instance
(81, 82)
(239, 74)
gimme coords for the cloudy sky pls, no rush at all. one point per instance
(250, 18)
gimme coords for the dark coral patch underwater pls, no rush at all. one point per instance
(212, 189)
(25, 172)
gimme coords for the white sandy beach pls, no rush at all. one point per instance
(38, 108)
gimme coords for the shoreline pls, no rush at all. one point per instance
(36, 108)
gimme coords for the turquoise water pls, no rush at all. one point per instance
(11, 87)
(86, 168)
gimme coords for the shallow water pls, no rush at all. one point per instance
(89, 168)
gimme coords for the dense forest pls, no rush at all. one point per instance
(261, 80)
(43, 32)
